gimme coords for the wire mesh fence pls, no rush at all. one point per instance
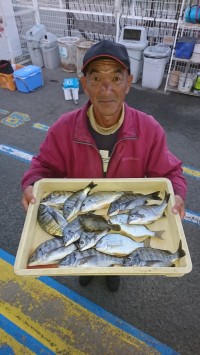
(93, 20)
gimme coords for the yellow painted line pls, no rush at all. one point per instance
(191, 171)
(61, 325)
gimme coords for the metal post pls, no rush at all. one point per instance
(175, 39)
(118, 12)
(36, 10)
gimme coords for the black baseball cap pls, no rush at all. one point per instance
(107, 49)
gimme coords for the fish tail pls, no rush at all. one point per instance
(115, 227)
(155, 195)
(158, 235)
(91, 185)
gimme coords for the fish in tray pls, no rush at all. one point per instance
(99, 200)
(49, 220)
(118, 245)
(137, 231)
(92, 222)
(148, 214)
(153, 257)
(59, 218)
(73, 203)
(89, 239)
(50, 252)
(72, 231)
(129, 201)
(56, 199)
(119, 218)
(90, 258)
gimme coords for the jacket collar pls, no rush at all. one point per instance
(126, 131)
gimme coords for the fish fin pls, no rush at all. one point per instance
(146, 242)
(158, 235)
(151, 262)
(180, 250)
(167, 196)
(155, 196)
(115, 227)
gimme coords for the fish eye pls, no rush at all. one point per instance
(81, 241)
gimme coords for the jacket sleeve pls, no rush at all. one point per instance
(163, 163)
(49, 163)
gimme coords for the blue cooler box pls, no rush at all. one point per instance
(29, 78)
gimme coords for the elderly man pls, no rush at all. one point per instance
(106, 137)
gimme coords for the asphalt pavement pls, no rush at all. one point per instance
(168, 309)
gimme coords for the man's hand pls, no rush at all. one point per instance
(28, 197)
(179, 206)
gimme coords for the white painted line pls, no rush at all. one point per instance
(192, 216)
(4, 112)
(18, 154)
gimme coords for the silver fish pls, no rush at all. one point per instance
(129, 201)
(47, 221)
(89, 258)
(45, 247)
(92, 222)
(72, 231)
(117, 245)
(98, 200)
(89, 239)
(137, 231)
(59, 218)
(56, 199)
(148, 214)
(73, 204)
(52, 256)
(146, 257)
(119, 218)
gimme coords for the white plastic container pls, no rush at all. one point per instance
(186, 81)
(153, 71)
(134, 38)
(68, 52)
(33, 37)
(155, 60)
(33, 234)
(81, 50)
(50, 51)
(135, 52)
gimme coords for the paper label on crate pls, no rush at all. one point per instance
(105, 159)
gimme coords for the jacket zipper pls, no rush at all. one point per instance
(123, 139)
(92, 145)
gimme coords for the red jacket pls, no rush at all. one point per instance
(141, 151)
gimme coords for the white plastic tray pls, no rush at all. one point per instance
(33, 234)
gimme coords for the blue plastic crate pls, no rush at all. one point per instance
(29, 78)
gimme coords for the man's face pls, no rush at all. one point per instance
(106, 83)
